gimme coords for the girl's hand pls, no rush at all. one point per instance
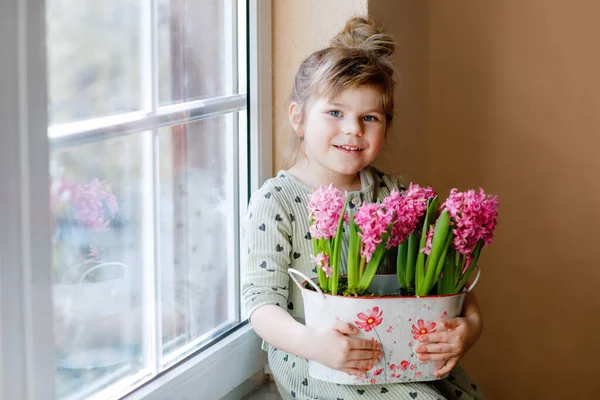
(335, 348)
(451, 345)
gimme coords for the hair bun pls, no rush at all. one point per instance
(362, 33)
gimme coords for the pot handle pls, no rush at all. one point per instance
(105, 264)
(292, 272)
(476, 278)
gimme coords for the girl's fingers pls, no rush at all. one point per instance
(452, 323)
(437, 337)
(446, 369)
(345, 328)
(364, 355)
(361, 344)
(436, 356)
(435, 348)
(362, 365)
(354, 371)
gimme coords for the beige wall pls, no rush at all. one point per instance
(514, 106)
(300, 27)
(503, 95)
(405, 152)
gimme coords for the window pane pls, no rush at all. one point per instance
(93, 58)
(197, 245)
(194, 47)
(99, 234)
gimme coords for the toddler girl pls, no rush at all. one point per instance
(340, 109)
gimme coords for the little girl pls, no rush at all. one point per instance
(341, 108)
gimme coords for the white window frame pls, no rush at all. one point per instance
(27, 363)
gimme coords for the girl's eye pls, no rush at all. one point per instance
(335, 113)
(370, 118)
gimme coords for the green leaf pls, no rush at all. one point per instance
(401, 264)
(317, 248)
(328, 251)
(411, 258)
(475, 257)
(445, 283)
(337, 250)
(442, 260)
(438, 247)
(373, 265)
(353, 248)
(421, 258)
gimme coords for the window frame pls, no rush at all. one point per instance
(27, 364)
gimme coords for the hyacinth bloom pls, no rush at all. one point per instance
(428, 242)
(322, 262)
(370, 320)
(91, 206)
(373, 221)
(451, 243)
(474, 218)
(91, 202)
(410, 211)
(408, 208)
(327, 206)
(369, 230)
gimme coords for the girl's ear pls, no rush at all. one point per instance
(295, 115)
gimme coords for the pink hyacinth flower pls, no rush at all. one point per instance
(474, 218)
(408, 208)
(373, 221)
(428, 242)
(91, 202)
(322, 261)
(325, 208)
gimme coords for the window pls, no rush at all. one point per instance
(150, 166)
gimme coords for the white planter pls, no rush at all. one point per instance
(393, 321)
(91, 320)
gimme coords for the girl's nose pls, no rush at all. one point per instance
(352, 127)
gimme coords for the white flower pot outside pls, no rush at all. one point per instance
(91, 327)
(396, 322)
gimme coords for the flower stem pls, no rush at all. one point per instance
(337, 249)
(383, 353)
(438, 253)
(411, 257)
(402, 264)
(322, 278)
(474, 259)
(361, 267)
(353, 247)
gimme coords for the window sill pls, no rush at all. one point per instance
(214, 373)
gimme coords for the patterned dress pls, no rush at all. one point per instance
(277, 236)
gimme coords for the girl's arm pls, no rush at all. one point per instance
(453, 344)
(471, 310)
(333, 347)
(267, 236)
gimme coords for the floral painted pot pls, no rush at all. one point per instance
(395, 322)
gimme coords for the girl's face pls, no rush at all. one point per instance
(344, 134)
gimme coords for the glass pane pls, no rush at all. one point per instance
(197, 245)
(99, 214)
(194, 47)
(93, 58)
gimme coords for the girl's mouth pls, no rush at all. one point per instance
(349, 149)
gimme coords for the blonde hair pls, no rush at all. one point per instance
(357, 56)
